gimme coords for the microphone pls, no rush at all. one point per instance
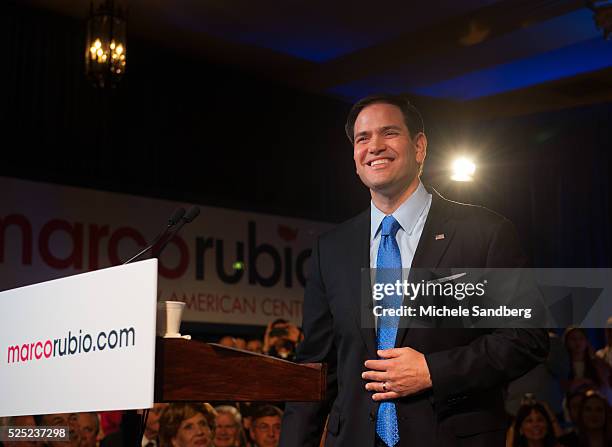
(179, 213)
(193, 212)
(189, 217)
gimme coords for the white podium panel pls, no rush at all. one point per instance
(81, 343)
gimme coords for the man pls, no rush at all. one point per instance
(20, 421)
(61, 420)
(266, 425)
(151, 432)
(89, 427)
(228, 424)
(398, 386)
(281, 338)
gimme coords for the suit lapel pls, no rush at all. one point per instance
(359, 258)
(435, 239)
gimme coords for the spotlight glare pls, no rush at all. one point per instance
(463, 170)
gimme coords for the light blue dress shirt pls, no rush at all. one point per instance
(411, 215)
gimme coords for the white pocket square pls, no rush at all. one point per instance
(449, 278)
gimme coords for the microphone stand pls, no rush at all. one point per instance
(133, 425)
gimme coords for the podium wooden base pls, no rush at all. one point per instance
(188, 370)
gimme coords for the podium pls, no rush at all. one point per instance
(194, 371)
(58, 337)
(187, 370)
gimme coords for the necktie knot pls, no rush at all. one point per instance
(389, 226)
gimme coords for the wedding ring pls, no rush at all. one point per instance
(384, 386)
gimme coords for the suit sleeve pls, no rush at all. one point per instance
(303, 422)
(492, 359)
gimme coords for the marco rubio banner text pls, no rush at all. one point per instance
(228, 266)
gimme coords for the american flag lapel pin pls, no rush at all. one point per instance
(440, 236)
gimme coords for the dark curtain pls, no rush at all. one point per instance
(176, 127)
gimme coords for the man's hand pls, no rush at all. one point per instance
(400, 372)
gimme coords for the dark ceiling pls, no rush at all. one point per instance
(488, 57)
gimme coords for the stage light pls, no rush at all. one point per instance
(463, 170)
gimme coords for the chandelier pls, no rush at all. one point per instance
(106, 52)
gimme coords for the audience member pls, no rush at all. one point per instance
(20, 421)
(240, 343)
(151, 432)
(187, 425)
(233, 342)
(227, 341)
(110, 421)
(585, 367)
(573, 402)
(593, 421)
(60, 420)
(255, 345)
(228, 431)
(533, 427)
(605, 353)
(89, 427)
(281, 339)
(266, 426)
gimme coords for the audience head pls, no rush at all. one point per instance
(21, 421)
(573, 402)
(227, 341)
(255, 345)
(240, 343)
(228, 431)
(266, 426)
(187, 425)
(89, 427)
(576, 342)
(533, 426)
(593, 412)
(60, 420)
(152, 427)
(281, 339)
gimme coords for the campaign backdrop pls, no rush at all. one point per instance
(228, 266)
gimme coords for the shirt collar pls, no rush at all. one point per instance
(407, 214)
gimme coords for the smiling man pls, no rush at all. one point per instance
(391, 386)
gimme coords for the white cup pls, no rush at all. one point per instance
(169, 315)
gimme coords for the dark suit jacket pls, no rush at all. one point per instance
(468, 367)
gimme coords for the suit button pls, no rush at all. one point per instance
(372, 417)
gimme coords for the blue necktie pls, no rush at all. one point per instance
(388, 270)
